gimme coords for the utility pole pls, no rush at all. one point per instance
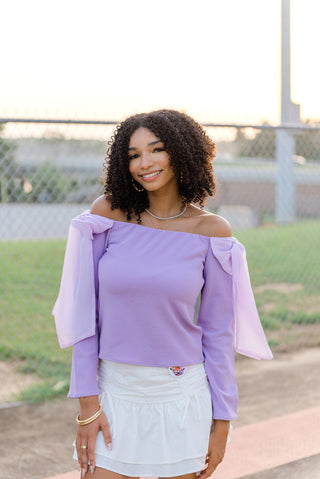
(285, 143)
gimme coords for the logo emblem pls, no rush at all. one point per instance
(177, 370)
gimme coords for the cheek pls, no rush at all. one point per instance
(167, 161)
(170, 165)
(131, 167)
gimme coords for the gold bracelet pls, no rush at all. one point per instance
(84, 422)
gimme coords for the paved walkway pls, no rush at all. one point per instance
(285, 439)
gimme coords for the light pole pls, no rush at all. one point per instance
(290, 115)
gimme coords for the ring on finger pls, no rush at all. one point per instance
(83, 447)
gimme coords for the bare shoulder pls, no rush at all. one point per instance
(215, 225)
(102, 207)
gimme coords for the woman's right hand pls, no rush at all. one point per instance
(86, 435)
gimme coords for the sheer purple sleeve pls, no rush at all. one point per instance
(249, 337)
(76, 308)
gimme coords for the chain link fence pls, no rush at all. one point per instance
(50, 170)
(268, 188)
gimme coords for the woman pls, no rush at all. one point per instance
(156, 386)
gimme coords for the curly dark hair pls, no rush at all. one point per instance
(191, 154)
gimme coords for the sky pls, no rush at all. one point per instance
(217, 60)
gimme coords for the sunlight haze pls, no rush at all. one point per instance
(217, 60)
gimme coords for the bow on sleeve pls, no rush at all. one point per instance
(75, 307)
(249, 337)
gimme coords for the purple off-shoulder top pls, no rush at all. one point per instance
(128, 294)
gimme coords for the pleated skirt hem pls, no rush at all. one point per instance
(151, 470)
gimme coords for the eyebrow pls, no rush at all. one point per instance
(149, 144)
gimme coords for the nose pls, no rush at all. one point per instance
(146, 160)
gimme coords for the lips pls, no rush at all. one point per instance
(151, 175)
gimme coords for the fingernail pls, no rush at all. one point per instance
(83, 473)
(91, 469)
(109, 446)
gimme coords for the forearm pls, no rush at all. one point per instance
(220, 427)
(89, 405)
(217, 446)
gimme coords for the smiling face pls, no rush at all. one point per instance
(149, 163)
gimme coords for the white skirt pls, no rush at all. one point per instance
(159, 419)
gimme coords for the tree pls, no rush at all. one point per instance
(49, 185)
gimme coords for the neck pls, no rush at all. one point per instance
(165, 205)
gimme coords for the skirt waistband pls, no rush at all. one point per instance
(148, 383)
(129, 386)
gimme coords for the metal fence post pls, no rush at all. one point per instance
(285, 186)
(285, 143)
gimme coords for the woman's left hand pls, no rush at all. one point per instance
(217, 447)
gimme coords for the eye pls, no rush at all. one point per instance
(158, 149)
(133, 157)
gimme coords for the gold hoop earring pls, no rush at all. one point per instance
(135, 186)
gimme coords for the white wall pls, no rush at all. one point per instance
(21, 221)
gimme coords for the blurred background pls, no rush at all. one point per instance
(71, 70)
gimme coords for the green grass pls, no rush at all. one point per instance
(30, 274)
(287, 254)
(29, 279)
